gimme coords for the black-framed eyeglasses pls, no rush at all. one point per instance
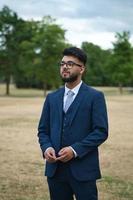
(69, 64)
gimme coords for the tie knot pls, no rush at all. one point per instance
(70, 93)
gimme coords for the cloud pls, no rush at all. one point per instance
(95, 21)
(84, 30)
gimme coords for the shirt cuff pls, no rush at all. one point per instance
(48, 148)
(75, 154)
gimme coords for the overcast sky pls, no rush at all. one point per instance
(94, 21)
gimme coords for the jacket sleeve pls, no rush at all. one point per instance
(44, 126)
(99, 131)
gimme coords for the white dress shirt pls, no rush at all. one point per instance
(74, 90)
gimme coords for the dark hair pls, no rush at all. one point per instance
(76, 52)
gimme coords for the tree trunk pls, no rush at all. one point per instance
(8, 86)
(120, 88)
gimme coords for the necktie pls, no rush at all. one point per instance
(69, 100)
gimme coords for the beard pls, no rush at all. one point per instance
(70, 79)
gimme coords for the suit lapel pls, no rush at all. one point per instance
(59, 103)
(77, 101)
(74, 106)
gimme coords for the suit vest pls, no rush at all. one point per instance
(65, 129)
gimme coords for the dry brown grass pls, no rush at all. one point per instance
(21, 164)
(117, 153)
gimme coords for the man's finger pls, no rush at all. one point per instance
(60, 157)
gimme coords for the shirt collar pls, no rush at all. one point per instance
(75, 89)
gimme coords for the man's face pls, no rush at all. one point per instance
(71, 69)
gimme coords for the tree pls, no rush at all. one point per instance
(50, 41)
(97, 65)
(122, 65)
(24, 74)
(30, 50)
(9, 27)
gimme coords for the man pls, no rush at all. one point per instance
(72, 126)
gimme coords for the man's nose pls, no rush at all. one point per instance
(65, 66)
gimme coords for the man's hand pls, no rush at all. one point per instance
(49, 154)
(65, 154)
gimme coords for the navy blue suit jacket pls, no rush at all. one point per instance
(87, 129)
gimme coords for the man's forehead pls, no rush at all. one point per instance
(69, 58)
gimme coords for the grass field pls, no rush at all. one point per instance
(21, 164)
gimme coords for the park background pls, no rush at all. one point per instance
(30, 53)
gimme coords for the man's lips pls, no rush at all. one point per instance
(65, 73)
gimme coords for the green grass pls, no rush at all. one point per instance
(118, 188)
(27, 190)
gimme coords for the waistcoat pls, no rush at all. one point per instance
(65, 129)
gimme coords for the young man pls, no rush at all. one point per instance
(72, 126)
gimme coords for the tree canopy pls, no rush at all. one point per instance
(122, 57)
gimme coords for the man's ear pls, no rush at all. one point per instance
(82, 69)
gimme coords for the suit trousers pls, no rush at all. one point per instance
(63, 186)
